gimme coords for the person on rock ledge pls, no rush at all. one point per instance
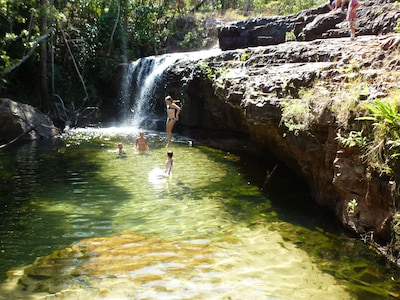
(173, 111)
(352, 17)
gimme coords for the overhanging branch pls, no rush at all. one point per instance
(29, 54)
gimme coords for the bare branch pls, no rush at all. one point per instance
(74, 62)
(29, 54)
(114, 28)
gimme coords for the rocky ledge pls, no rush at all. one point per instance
(374, 17)
(252, 92)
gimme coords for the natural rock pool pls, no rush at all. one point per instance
(79, 222)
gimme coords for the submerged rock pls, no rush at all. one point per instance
(249, 264)
(124, 254)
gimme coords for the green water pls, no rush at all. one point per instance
(57, 192)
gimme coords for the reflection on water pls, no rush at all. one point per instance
(59, 192)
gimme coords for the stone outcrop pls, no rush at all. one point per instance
(17, 119)
(244, 91)
(375, 17)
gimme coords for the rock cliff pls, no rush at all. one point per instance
(374, 17)
(245, 91)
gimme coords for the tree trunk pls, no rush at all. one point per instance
(246, 8)
(44, 89)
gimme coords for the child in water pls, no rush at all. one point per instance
(120, 150)
(169, 163)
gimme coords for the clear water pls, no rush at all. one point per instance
(270, 243)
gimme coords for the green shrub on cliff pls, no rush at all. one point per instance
(383, 147)
(300, 113)
(345, 103)
(296, 115)
(397, 28)
(379, 138)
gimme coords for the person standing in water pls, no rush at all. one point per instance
(173, 111)
(141, 142)
(169, 163)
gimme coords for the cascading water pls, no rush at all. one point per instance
(143, 85)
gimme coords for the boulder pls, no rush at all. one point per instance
(17, 119)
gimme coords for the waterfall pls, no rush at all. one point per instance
(143, 83)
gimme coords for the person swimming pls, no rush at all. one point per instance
(120, 151)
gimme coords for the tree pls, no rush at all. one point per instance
(44, 88)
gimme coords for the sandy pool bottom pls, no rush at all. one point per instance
(254, 264)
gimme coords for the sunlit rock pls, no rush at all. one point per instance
(17, 119)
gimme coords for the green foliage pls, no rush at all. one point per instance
(17, 31)
(345, 103)
(383, 147)
(290, 36)
(296, 115)
(211, 73)
(352, 67)
(300, 113)
(89, 38)
(285, 7)
(352, 206)
(244, 57)
(354, 138)
(397, 28)
(191, 40)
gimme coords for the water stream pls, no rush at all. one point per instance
(212, 232)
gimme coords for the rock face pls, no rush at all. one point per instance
(18, 118)
(245, 92)
(309, 25)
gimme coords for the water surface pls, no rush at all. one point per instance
(260, 243)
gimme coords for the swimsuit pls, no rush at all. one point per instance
(141, 142)
(168, 118)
